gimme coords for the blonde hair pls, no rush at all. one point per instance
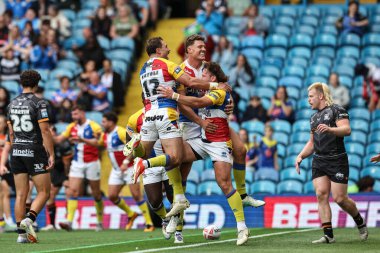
(323, 89)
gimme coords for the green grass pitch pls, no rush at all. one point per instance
(263, 241)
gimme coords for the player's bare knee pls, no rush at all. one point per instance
(113, 197)
(239, 152)
(174, 161)
(340, 199)
(322, 196)
(225, 186)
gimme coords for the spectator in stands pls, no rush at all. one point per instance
(255, 110)
(8, 18)
(211, 20)
(58, 21)
(280, 107)
(10, 66)
(64, 111)
(224, 54)
(352, 21)
(4, 100)
(3, 31)
(243, 135)
(91, 50)
(140, 13)
(20, 45)
(266, 151)
(101, 23)
(29, 32)
(124, 24)
(52, 41)
(84, 77)
(18, 7)
(41, 7)
(339, 93)
(371, 84)
(241, 75)
(99, 94)
(256, 24)
(109, 8)
(30, 16)
(112, 81)
(65, 92)
(219, 5)
(43, 56)
(238, 7)
(51, 109)
(365, 184)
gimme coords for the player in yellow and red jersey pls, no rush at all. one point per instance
(114, 139)
(161, 117)
(217, 145)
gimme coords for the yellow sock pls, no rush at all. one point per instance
(239, 175)
(99, 210)
(123, 206)
(2, 223)
(161, 212)
(139, 151)
(159, 161)
(72, 205)
(175, 178)
(236, 205)
(145, 211)
(182, 214)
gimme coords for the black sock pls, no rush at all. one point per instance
(31, 215)
(19, 230)
(327, 229)
(243, 196)
(359, 221)
(52, 210)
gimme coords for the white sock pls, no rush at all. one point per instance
(241, 225)
(179, 197)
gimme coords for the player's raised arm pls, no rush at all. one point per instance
(193, 102)
(200, 84)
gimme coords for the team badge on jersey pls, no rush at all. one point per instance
(177, 70)
(44, 113)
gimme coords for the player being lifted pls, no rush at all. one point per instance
(217, 145)
(114, 139)
(161, 118)
(32, 152)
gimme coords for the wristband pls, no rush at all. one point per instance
(175, 96)
(213, 85)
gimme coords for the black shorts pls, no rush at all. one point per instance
(9, 179)
(58, 175)
(30, 160)
(336, 168)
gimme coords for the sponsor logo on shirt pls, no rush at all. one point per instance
(38, 167)
(23, 152)
(154, 118)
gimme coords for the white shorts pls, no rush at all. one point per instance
(217, 151)
(190, 130)
(117, 177)
(154, 175)
(161, 123)
(90, 171)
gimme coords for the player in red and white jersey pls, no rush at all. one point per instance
(85, 164)
(217, 145)
(161, 117)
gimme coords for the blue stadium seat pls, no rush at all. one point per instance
(104, 42)
(373, 51)
(291, 174)
(49, 94)
(356, 92)
(308, 188)
(208, 175)
(355, 148)
(373, 148)
(234, 125)
(233, 26)
(375, 126)
(303, 104)
(301, 126)
(329, 20)
(281, 126)
(281, 137)
(357, 136)
(324, 51)
(359, 124)
(375, 28)
(322, 60)
(235, 41)
(375, 114)
(346, 61)
(293, 92)
(95, 116)
(209, 188)
(91, 5)
(73, 41)
(282, 29)
(69, 14)
(266, 81)
(358, 102)
(120, 54)
(71, 65)
(290, 186)
(267, 174)
(367, 161)
(287, 11)
(293, 71)
(277, 52)
(305, 30)
(374, 137)
(300, 137)
(354, 174)
(360, 114)
(61, 126)
(60, 72)
(11, 86)
(193, 177)
(309, 20)
(297, 61)
(263, 92)
(198, 166)
(301, 40)
(53, 84)
(123, 43)
(318, 70)
(285, 20)
(252, 42)
(276, 40)
(269, 71)
(300, 52)
(348, 51)
(263, 187)
(281, 150)
(267, 11)
(191, 188)
(325, 39)
(372, 171)
(242, 105)
(254, 126)
(249, 177)
(304, 114)
(242, 93)
(295, 149)
(310, 11)
(373, 60)
(371, 39)
(85, 13)
(81, 23)
(44, 73)
(376, 187)
(344, 70)
(291, 82)
(347, 82)
(253, 53)
(355, 161)
(328, 29)
(336, 11)
(349, 39)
